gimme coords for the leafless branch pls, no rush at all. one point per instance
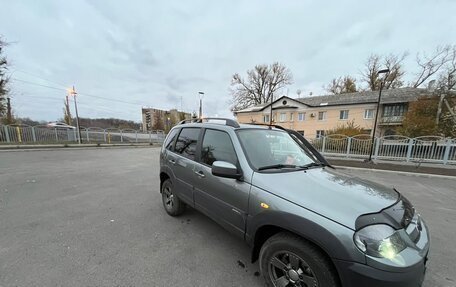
(431, 65)
(259, 87)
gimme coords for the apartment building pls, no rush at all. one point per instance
(155, 119)
(313, 116)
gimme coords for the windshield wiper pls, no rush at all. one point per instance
(277, 166)
(306, 166)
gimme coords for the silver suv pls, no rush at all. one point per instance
(307, 223)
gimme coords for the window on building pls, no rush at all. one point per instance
(397, 110)
(301, 117)
(266, 118)
(320, 133)
(369, 114)
(217, 145)
(301, 132)
(321, 116)
(343, 115)
(283, 117)
(291, 117)
(187, 141)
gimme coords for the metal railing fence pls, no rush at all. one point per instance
(23, 134)
(432, 149)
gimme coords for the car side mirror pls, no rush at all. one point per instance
(225, 169)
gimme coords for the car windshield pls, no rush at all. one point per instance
(273, 149)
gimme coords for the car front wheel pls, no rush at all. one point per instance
(289, 260)
(172, 204)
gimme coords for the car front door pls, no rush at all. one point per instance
(183, 162)
(223, 199)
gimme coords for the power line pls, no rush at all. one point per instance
(79, 93)
(85, 105)
(108, 99)
(39, 77)
(36, 84)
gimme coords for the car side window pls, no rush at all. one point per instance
(186, 142)
(217, 145)
(168, 144)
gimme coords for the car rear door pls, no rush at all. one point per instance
(183, 162)
(223, 199)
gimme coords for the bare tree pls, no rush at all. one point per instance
(342, 85)
(447, 78)
(394, 64)
(259, 86)
(3, 78)
(375, 63)
(430, 65)
(370, 73)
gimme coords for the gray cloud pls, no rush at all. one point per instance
(155, 53)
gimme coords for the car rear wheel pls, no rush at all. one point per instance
(289, 260)
(172, 204)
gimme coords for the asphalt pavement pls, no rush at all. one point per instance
(93, 217)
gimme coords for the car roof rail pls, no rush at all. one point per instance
(189, 121)
(268, 125)
(228, 122)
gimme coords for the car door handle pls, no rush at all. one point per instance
(200, 173)
(172, 161)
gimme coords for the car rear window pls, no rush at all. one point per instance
(187, 141)
(169, 142)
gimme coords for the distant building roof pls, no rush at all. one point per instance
(390, 96)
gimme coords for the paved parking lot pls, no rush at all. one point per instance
(93, 217)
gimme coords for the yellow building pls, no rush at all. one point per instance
(313, 116)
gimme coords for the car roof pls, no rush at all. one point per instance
(221, 126)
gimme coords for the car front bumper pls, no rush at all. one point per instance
(354, 274)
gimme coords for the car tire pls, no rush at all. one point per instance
(289, 260)
(172, 204)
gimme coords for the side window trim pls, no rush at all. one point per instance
(200, 146)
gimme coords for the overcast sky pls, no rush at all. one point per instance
(155, 53)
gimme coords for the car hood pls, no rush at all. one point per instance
(328, 192)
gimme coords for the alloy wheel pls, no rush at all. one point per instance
(169, 197)
(287, 269)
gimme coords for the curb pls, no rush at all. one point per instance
(398, 172)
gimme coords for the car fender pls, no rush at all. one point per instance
(332, 238)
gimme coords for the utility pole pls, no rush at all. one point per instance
(73, 93)
(270, 114)
(450, 109)
(201, 94)
(9, 117)
(382, 82)
(439, 109)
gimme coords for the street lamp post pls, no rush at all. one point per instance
(73, 93)
(384, 71)
(201, 94)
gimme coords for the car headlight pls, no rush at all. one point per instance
(379, 241)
